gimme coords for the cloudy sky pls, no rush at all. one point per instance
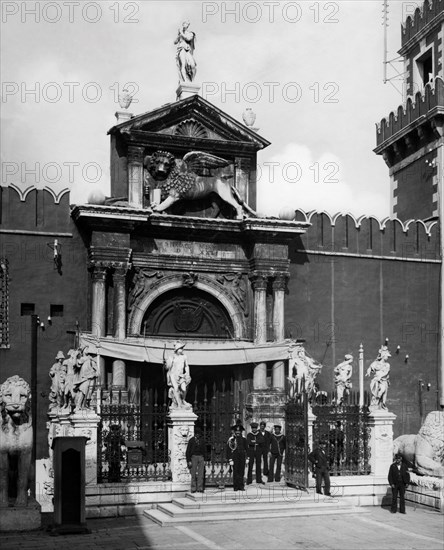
(311, 71)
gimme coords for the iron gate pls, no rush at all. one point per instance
(296, 454)
(133, 441)
(216, 415)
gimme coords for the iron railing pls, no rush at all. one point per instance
(133, 441)
(345, 430)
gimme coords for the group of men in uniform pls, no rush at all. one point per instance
(254, 451)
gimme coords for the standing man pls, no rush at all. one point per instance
(255, 442)
(319, 459)
(399, 478)
(237, 456)
(265, 446)
(195, 455)
(277, 448)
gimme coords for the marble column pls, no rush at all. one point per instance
(119, 280)
(135, 176)
(98, 313)
(259, 281)
(242, 176)
(279, 287)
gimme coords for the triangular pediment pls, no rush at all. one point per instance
(193, 117)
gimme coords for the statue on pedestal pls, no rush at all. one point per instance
(85, 379)
(186, 64)
(15, 440)
(303, 372)
(68, 392)
(57, 374)
(380, 369)
(343, 373)
(178, 377)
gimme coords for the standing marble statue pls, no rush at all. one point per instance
(85, 380)
(178, 377)
(57, 374)
(68, 392)
(186, 64)
(343, 373)
(303, 373)
(380, 369)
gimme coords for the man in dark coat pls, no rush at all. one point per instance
(277, 448)
(265, 446)
(319, 459)
(237, 456)
(399, 478)
(195, 455)
(255, 442)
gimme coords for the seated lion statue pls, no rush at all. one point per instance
(425, 451)
(15, 438)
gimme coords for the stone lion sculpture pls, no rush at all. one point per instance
(193, 180)
(15, 437)
(425, 451)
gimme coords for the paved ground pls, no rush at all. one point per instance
(375, 530)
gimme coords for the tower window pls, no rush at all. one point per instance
(56, 310)
(27, 309)
(424, 65)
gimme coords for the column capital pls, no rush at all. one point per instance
(280, 281)
(135, 154)
(98, 272)
(259, 280)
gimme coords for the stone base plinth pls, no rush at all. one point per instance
(21, 519)
(267, 405)
(381, 441)
(180, 431)
(123, 116)
(186, 90)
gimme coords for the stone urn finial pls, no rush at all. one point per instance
(249, 117)
(125, 99)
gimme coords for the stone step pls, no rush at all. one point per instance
(162, 518)
(229, 505)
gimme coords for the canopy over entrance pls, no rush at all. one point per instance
(205, 353)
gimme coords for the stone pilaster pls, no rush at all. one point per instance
(135, 176)
(381, 441)
(242, 176)
(259, 281)
(180, 430)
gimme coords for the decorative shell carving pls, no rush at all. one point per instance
(191, 128)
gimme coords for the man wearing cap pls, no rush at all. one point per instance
(195, 455)
(178, 377)
(255, 441)
(265, 446)
(277, 448)
(319, 459)
(237, 456)
(399, 478)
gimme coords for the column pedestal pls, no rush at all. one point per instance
(381, 441)
(180, 431)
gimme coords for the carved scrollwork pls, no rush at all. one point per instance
(189, 279)
(237, 286)
(142, 280)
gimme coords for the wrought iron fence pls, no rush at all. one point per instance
(217, 411)
(133, 441)
(296, 454)
(345, 430)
